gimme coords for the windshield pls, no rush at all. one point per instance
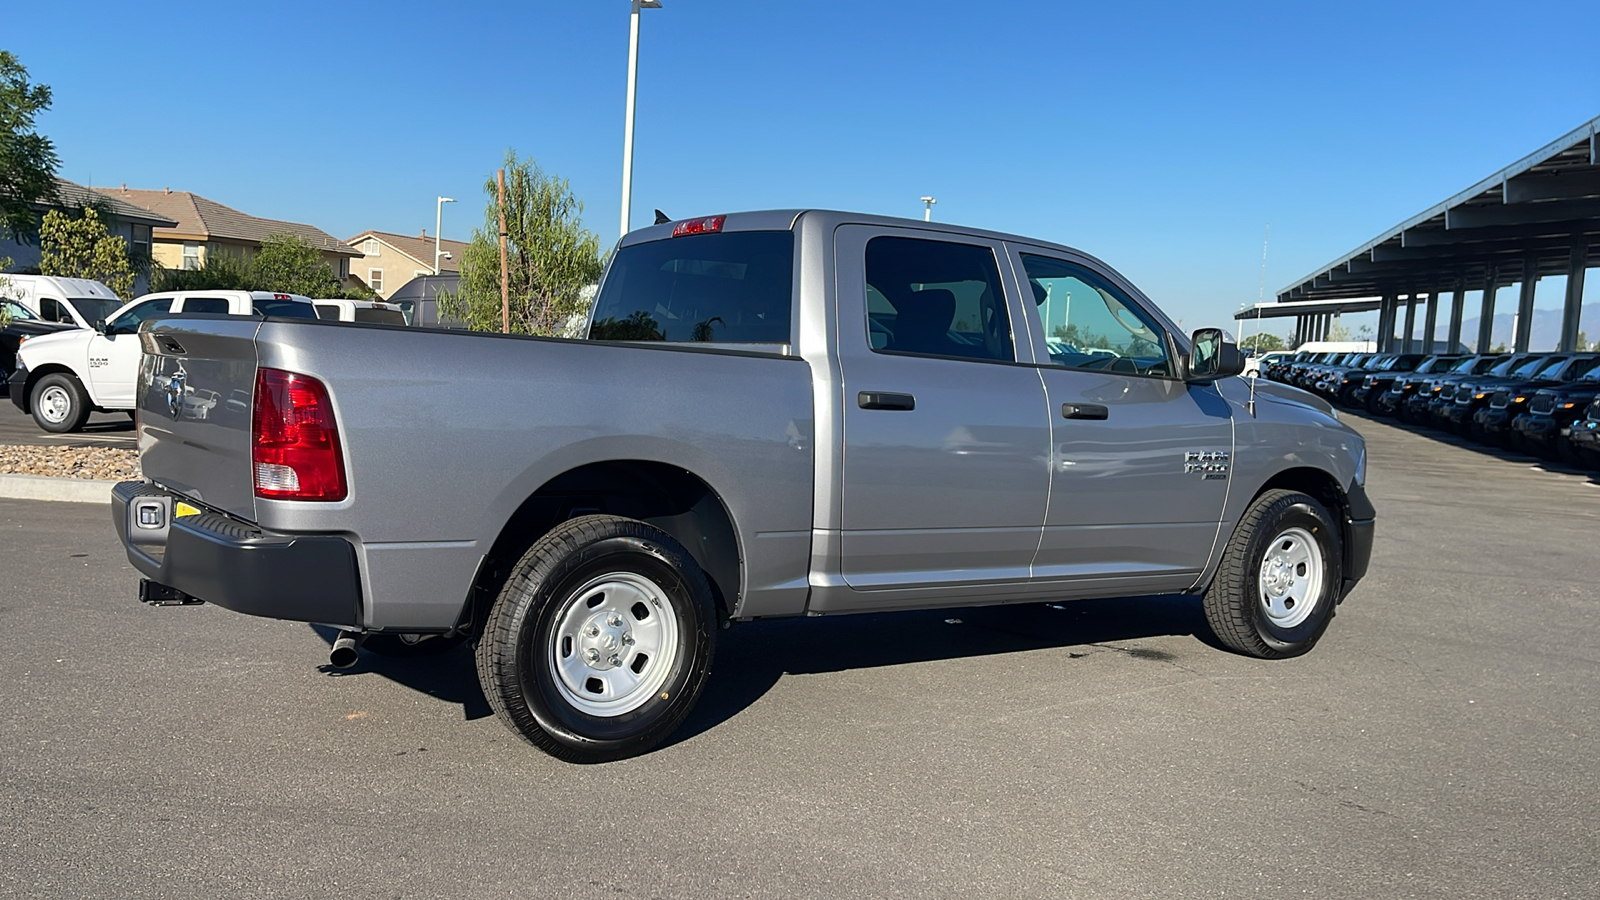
(1583, 368)
(1439, 364)
(1541, 366)
(285, 309)
(385, 316)
(94, 308)
(16, 311)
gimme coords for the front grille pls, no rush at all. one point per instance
(1500, 400)
(1464, 395)
(1543, 404)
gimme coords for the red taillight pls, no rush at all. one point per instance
(282, 297)
(294, 441)
(707, 225)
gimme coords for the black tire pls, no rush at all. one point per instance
(62, 394)
(517, 654)
(1234, 604)
(1373, 405)
(411, 646)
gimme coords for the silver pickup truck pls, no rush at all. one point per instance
(788, 413)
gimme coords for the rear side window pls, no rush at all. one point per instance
(733, 287)
(935, 298)
(205, 305)
(285, 309)
(383, 316)
(327, 311)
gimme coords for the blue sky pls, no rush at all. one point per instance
(1161, 137)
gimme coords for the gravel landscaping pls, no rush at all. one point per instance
(101, 463)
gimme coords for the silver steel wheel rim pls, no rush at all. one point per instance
(1290, 583)
(614, 644)
(54, 404)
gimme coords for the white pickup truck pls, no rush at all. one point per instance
(61, 378)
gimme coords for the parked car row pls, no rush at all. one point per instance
(70, 368)
(1542, 403)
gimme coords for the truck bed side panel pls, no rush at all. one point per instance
(447, 433)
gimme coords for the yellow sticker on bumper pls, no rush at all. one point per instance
(184, 509)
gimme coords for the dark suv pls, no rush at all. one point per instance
(1454, 412)
(1552, 415)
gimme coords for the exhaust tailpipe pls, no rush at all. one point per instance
(343, 655)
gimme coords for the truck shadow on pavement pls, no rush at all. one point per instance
(753, 657)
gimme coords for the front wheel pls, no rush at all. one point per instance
(1278, 584)
(60, 404)
(601, 640)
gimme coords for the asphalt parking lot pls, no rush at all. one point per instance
(1440, 742)
(102, 430)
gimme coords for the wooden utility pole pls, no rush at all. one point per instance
(505, 285)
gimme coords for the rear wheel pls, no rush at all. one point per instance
(601, 640)
(60, 404)
(1279, 580)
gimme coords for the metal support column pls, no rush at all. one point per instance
(1386, 309)
(1407, 344)
(1530, 282)
(1430, 321)
(1486, 314)
(1572, 312)
(1458, 300)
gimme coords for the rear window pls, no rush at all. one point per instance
(732, 288)
(385, 316)
(285, 309)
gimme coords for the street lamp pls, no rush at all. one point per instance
(927, 208)
(627, 128)
(438, 214)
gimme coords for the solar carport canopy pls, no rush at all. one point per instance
(1537, 217)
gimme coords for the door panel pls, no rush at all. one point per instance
(1139, 459)
(944, 475)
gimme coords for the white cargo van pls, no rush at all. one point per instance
(70, 301)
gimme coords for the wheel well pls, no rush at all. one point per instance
(670, 498)
(33, 378)
(1319, 484)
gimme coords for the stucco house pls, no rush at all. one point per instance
(202, 226)
(128, 221)
(388, 261)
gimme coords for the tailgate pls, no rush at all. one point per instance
(195, 389)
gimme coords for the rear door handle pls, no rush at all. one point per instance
(885, 400)
(1083, 411)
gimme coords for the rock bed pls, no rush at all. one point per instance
(102, 463)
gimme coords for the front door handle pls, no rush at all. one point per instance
(1083, 411)
(885, 400)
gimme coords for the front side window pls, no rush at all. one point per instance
(936, 298)
(15, 312)
(1089, 323)
(54, 311)
(731, 287)
(129, 321)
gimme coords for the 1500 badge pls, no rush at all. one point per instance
(99, 362)
(1210, 464)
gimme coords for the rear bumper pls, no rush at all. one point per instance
(301, 578)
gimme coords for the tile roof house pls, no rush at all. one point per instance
(132, 223)
(391, 260)
(202, 226)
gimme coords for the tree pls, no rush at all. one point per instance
(1583, 339)
(79, 246)
(1262, 342)
(289, 264)
(27, 159)
(219, 271)
(5, 284)
(550, 256)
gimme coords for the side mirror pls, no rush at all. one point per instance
(1213, 356)
(99, 325)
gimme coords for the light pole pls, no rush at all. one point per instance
(927, 208)
(627, 128)
(438, 216)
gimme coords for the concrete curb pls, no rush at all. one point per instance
(70, 490)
